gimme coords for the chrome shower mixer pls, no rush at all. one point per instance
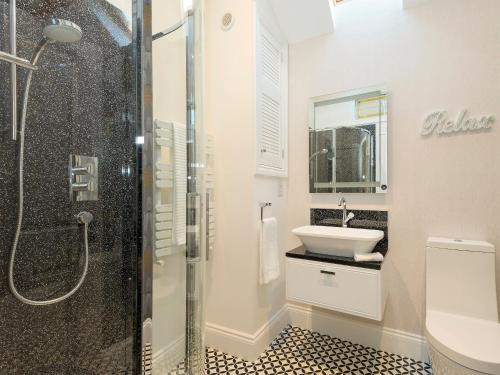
(83, 178)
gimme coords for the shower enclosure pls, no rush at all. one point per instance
(101, 252)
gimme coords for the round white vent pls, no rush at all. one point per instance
(227, 21)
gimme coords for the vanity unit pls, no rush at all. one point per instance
(337, 282)
(347, 154)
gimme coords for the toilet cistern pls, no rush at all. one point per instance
(461, 324)
(345, 216)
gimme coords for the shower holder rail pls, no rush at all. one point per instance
(4, 56)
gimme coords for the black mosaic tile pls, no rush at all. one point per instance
(363, 218)
(77, 104)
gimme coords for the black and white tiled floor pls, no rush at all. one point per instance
(297, 351)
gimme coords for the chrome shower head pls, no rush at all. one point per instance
(57, 30)
(63, 31)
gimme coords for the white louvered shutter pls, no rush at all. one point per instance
(271, 77)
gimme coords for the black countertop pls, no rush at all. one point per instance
(302, 253)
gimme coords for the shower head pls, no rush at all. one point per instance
(57, 30)
(320, 152)
(63, 31)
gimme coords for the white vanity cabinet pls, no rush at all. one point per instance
(348, 289)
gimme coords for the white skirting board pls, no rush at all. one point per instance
(244, 345)
(167, 358)
(359, 331)
(250, 346)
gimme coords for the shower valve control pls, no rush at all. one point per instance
(82, 170)
(83, 178)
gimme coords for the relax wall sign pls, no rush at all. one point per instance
(439, 122)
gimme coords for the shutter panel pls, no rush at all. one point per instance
(270, 126)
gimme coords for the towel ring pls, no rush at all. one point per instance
(262, 205)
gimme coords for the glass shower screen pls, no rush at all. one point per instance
(101, 187)
(68, 188)
(177, 167)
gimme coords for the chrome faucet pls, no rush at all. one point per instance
(345, 217)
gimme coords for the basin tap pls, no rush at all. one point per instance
(345, 217)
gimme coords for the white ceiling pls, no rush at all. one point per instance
(300, 20)
(303, 19)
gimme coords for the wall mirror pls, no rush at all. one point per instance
(348, 142)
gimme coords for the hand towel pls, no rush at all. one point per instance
(372, 257)
(269, 253)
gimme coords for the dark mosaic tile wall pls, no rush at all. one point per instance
(364, 219)
(81, 102)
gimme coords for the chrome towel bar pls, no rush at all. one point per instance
(262, 205)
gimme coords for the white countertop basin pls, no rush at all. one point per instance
(337, 240)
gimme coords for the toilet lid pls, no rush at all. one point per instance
(471, 342)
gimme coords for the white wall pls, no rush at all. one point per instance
(235, 300)
(442, 55)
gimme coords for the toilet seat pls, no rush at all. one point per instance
(471, 342)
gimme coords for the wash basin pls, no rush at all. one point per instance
(337, 240)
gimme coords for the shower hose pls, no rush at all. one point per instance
(83, 218)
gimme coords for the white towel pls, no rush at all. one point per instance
(372, 257)
(269, 253)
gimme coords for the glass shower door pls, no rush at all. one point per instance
(177, 166)
(69, 211)
(101, 251)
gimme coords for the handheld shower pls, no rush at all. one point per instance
(62, 31)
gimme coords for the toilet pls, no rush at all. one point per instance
(461, 326)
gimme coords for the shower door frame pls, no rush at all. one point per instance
(143, 42)
(142, 19)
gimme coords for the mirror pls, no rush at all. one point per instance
(348, 142)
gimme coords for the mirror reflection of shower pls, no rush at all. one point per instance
(61, 31)
(325, 151)
(350, 159)
(351, 129)
(355, 155)
(330, 154)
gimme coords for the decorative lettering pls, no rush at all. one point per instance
(439, 123)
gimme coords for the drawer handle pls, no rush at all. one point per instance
(328, 272)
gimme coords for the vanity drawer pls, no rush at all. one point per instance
(351, 290)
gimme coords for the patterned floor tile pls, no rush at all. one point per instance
(298, 351)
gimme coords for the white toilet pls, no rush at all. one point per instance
(462, 328)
